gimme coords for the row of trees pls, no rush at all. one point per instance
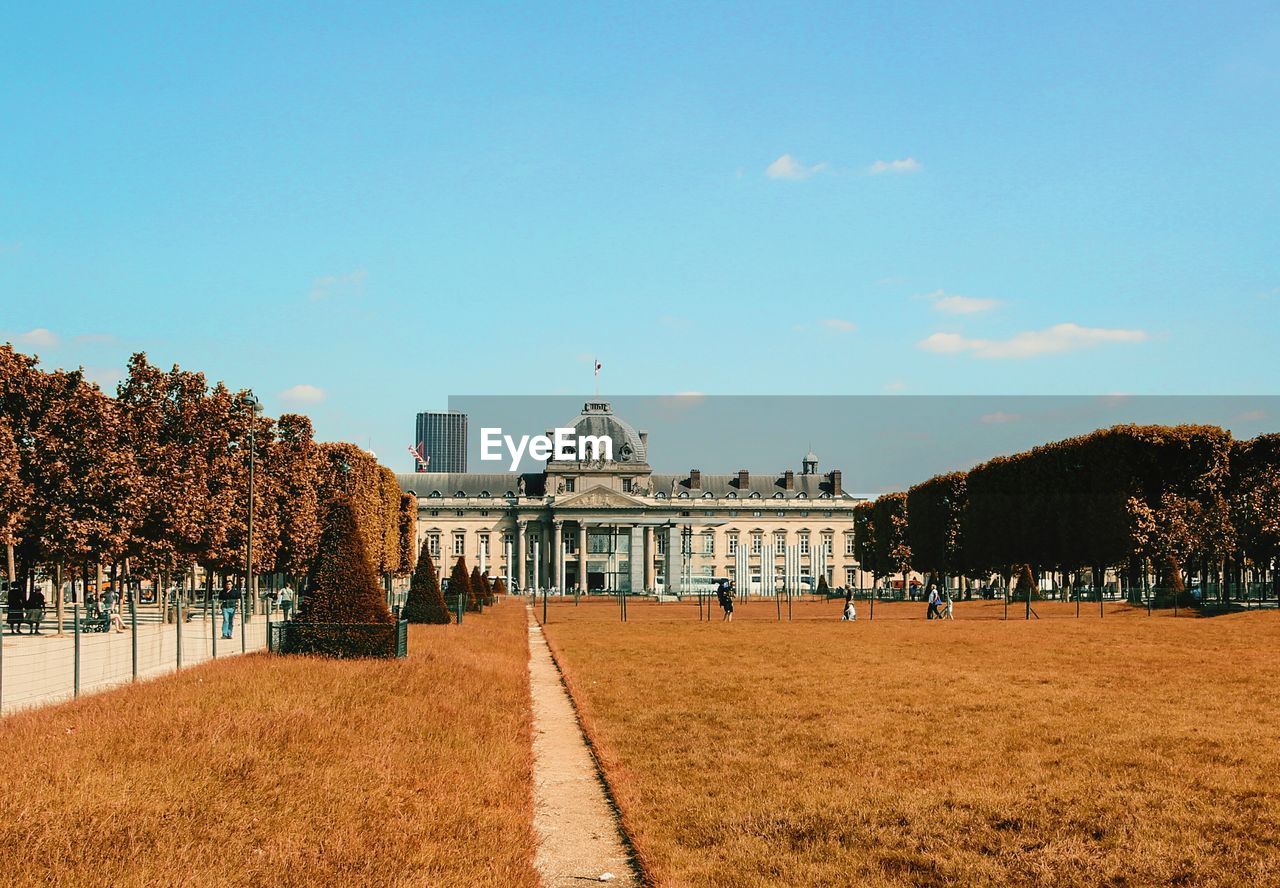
(154, 480)
(1183, 499)
(425, 602)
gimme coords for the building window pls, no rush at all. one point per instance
(828, 543)
(755, 514)
(459, 543)
(849, 541)
(435, 513)
(571, 543)
(459, 513)
(570, 484)
(732, 542)
(850, 576)
(626, 485)
(708, 543)
(433, 544)
(780, 541)
(757, 543)
(484, 546)
(733, 513)
(662, 543)
(804, 544)
(782, 514)
(507, 540)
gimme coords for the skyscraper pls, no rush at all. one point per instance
(443, 437)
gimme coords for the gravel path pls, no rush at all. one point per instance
(578, 833)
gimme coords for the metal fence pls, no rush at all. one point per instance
(92, 651)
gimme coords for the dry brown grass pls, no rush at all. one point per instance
(286, 771)
(1123, 751)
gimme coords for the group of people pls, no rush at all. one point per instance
(20, 609)
(939, 605)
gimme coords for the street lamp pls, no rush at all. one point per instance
(250, 403)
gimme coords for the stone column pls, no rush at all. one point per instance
(558, 550)
(522, 562)
(674, 564)
(582, 556)
(637, 560)
(647, 552)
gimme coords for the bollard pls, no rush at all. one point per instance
(75, 672)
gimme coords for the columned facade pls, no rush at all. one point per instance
(617, 526)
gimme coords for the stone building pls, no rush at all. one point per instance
(616, 525)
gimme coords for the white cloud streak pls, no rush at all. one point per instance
(951, 303)
(303, 394)
(1058, 339)
(900, 167)
(787, 167)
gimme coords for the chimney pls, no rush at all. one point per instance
(836, 487)
(788, 480)
(744, 479)
(695, 479)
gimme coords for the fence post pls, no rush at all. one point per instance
(178, 618)
(214, 630)
(75, 672)
(133, 631)
(244, 618)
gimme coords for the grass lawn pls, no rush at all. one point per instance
(267, 770)
(1130, 750)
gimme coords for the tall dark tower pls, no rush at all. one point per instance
(444, 442)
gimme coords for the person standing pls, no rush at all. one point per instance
(13, 607)
(286, 600)
(946, 609)
(932, 612)
(728, 601)
(35, 610)
(227, 599)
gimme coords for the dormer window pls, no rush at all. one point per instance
(684, 494)
(460, 494)
(435, 494)
(778, 495)
(733, 494)
(484, 494)
(661, 494)
(707, 495)
(755, 494)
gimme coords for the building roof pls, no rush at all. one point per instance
(471, 484)
(726, 487)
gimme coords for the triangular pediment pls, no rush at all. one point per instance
(599, 497)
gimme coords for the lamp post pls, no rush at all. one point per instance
(250, 403)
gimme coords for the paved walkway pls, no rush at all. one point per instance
(578, 832)
(40, 670)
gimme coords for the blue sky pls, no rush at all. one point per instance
(361, 210)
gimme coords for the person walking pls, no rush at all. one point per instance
(227, 599)
(729, 594)
(932, 612)
(946, 610)
(286, 600)
(35, 610)
(850, 612)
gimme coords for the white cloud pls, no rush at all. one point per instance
(332, 285)
(105, 378)
(787, 167)
(1057, 339)
(905, 165)
(303, 394)
(38, 337)
(839, 325)
(896, 386)
(951, 303)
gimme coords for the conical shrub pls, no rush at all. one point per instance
(499, 588)
(487, 590)
(425, 603)
(477, 590)
(460, 584)
(343, 586)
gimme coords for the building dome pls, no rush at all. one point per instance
(810, 464)
(597, 418)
